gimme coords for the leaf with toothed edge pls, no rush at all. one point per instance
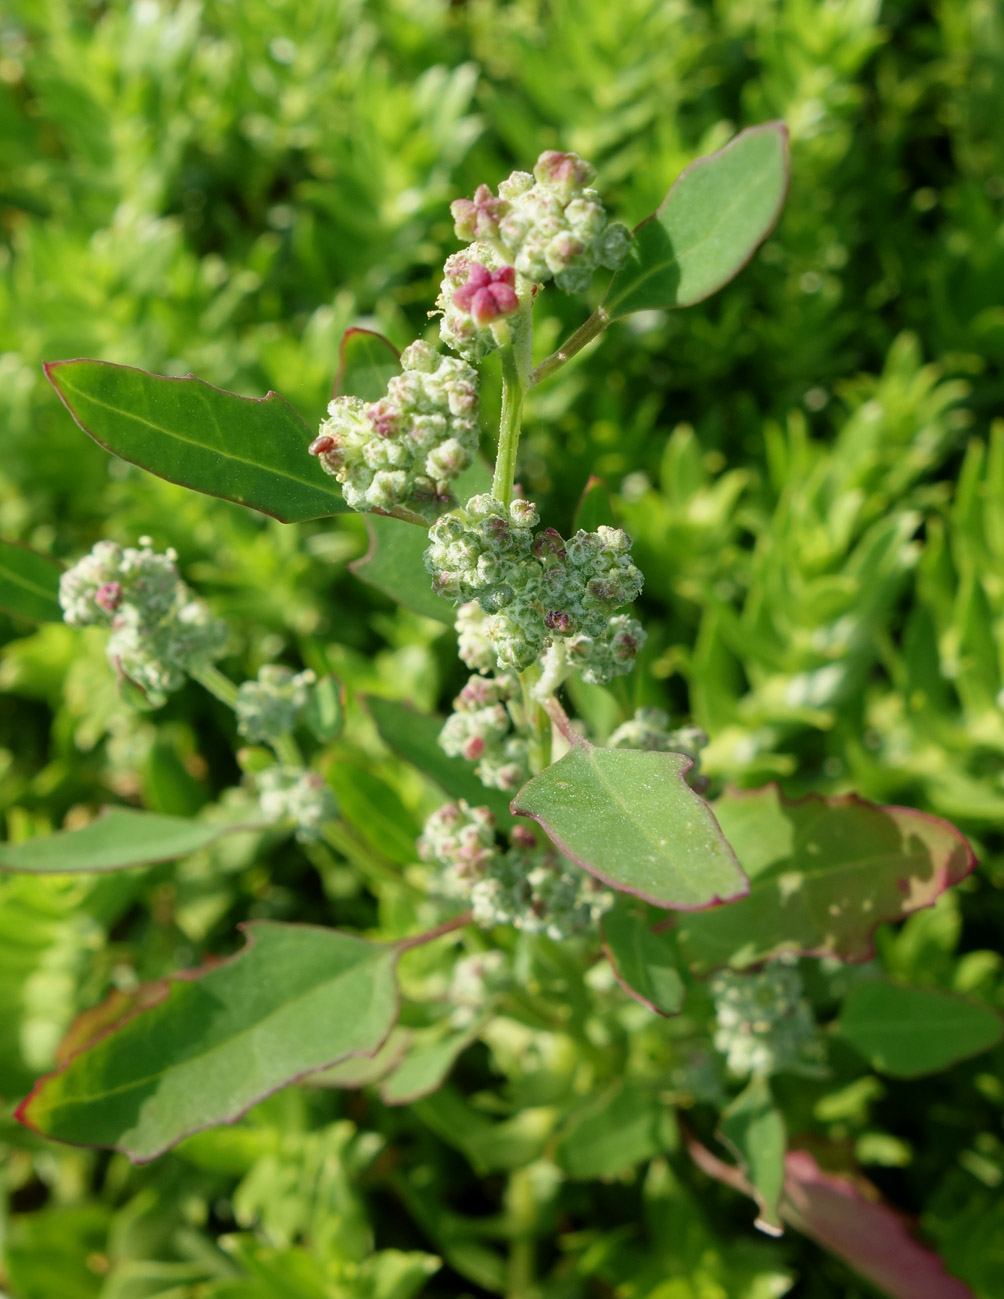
(251, 450)
(29, 583)
(120, 838)
(629, 817)
(824, 873)
(717, 214)
(367, 363)
(295, 999)
(643, 962)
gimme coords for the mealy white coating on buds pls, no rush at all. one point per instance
(649, 728)
(529, 887)
(551, 225)
(160, 632)
(297, 795)
(476, 981)
(478, 293)
(407, 447)
(482, 729)
(537, 590)
(273, 704)
(764, 1022)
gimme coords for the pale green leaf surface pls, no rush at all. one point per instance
(615, 1133)
(29, 583)
(643, 962)
(753, 1128)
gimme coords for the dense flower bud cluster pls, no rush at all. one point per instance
(478, 289)
(529, 887)
(406, 448)
(549, 225)
(160, 631)
(764, 1022)
(649, 729)
(476, 980)
(537, 589)
(299, 795)
(481, 730)
(272, 705)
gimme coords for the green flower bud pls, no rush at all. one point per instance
(273, 704)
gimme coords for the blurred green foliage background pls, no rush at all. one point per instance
(812, 465)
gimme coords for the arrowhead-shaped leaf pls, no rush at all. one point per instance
(908, 1032)
(294, 1000)
(252, 450)
(708, 227)
(120, 838)
(752, 1127)
(629, 818)
(29, 583)
(367, 363)
(823, 874)
(643, 963)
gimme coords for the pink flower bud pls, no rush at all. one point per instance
(487, 294)
(478, 218)
(473, 748)
(521, 836)
(547, 543)
(563, 172)
(108, 596)
(555, 620)
(322, 445)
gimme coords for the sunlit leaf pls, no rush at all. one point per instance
(753, 1128)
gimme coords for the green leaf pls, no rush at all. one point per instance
(615, 1133)
(120, 838)
(709, 225)
(824, 872)
(753, 1128)
(629, 818)
(367, 363)
(294, 1000)
(908, 1032)
(29, 583)
(415, 737)
(395, 561)
(362, 1070)
(426, 1066)
(252, 450)
(375, 810)
(325, 713)
(594, 507)
(643, 963)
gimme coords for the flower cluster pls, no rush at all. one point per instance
(272, 705)
(527, 886)
(160, 631)
(481, 730)
(477, 293)
(297, 795)
(476, 980)
(649, 729)
(406, 448)
(537, 589)
(764, 1022)
(551, 225)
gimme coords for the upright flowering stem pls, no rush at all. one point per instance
(516, 355)
(218, 685)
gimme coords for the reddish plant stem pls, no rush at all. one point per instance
(561, 720)
(447, 927)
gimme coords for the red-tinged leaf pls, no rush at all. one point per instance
(117, 1006)
(629, 817)
(846, 1217)
(252, 450)
(29, 583)
(824, 872)
(295, 999)
(366, 363)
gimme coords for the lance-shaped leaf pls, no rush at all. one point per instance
(719, 211)
(295, 999)
(595, 506)
(29, 583)
(908, 1032)
(367, 363)
(630, 818)
(643, 962)
(753, 1129)
(823, 873)
(121, 837)
(415, 737)
(846, 1217)
(252, 450)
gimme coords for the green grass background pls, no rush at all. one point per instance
(812, 466)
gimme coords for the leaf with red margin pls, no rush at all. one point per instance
(824, 873)
(644, 963)
(252, 450)
(629, 817)
(847, 1218)
(295, 999)
(366, 364)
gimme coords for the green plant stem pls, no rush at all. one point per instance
(522, 1215)
(586, 332)
(510, 425)
(538, 723)
(287, 750)
(359, 855)
(218, 685)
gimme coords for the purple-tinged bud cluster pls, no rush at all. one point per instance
(406, 448)
(537, 590)
(486, 295)
(478, 290)
(481, 730)
(274, 704)
(529, 887)
(551, 225)
(297, 796)
(160, 632)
